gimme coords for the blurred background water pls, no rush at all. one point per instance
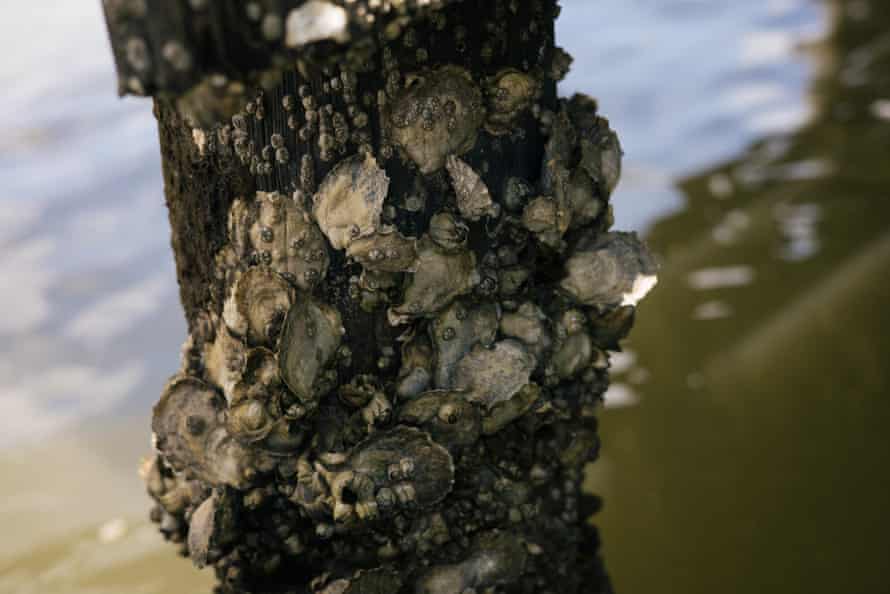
(745, 436)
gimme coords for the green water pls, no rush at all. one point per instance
(758, 457)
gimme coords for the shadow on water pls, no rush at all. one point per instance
(756, 458)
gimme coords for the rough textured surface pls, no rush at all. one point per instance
(396, 351)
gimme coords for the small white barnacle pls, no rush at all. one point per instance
(350, 199)
(610, 270)
(257, 304)
(310, 339)
(473, 198)
(316, 20)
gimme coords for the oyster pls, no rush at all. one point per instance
(350, 199)
(609, 270)
(439, 279)
(449, 418)
(311, 336)
(493, 375)
(504, 413)
(508, 93)
(192, 437)
(211, 526)
(600, 149)
(455, 331)
(529, 324)
(473, 198)
(257, 304)
(437, 114)
(448, 232)
(295, 245)
(386, 251)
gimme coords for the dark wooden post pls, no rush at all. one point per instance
(393, 254)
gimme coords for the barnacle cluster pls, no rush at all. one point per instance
(391, 398)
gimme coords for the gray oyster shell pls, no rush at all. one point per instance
(439, 113)
(189, 429)
(350, 199)
(610, 270)
(494, 375)
(473, 198)
(310, 338)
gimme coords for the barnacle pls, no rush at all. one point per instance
(493, 375)
(350, 199)
(190, 434)
(455, 331)
(497, 558)
(257, 304)
(437, 114)
(473, 198)
(310, 338)
(611, 269)
(448, 416)
(296, 247)
(508, 93)
(426, 292)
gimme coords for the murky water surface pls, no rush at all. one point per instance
(744, 437)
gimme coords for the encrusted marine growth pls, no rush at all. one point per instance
(391, 383)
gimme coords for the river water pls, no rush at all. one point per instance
(745, 444)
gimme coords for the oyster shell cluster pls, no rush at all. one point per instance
(411, 389)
